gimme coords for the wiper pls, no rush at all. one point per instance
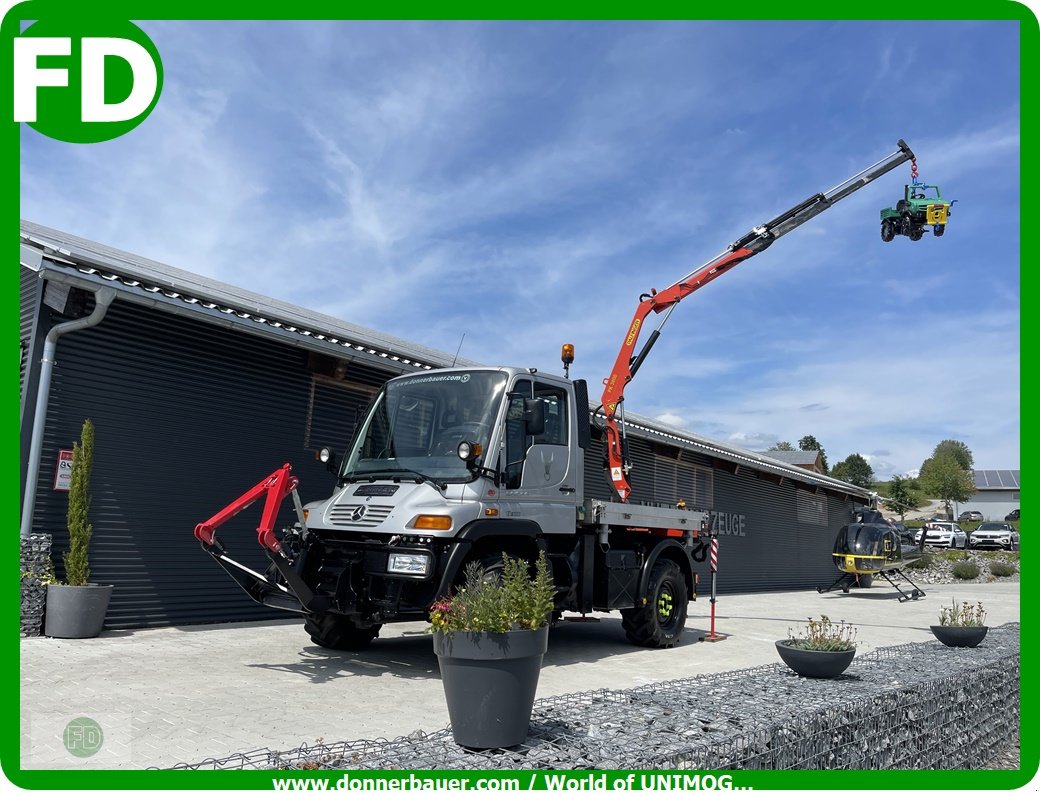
(394, 474)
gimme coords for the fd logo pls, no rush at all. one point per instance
(85, 82)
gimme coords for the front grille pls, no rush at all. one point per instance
(358, 515)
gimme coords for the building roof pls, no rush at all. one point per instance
(69, 259)
(997, 479)
(89, 264)
(796, 457)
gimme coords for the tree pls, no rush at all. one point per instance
(77, 571)
(781, 446)
(854, 469)
(902, 495)
(957, 449)
(944, 478)
(807, 443)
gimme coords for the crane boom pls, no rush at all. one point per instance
(755, 241)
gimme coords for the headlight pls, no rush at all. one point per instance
(468, 450)
(412, 564)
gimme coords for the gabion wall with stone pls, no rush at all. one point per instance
(36, 567)
(915, 706)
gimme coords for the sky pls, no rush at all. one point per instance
(522, 184)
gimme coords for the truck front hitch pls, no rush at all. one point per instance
(294, 595)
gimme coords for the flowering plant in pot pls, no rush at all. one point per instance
(77, 609)
(822, 649)
(961, 625)
(490, 637)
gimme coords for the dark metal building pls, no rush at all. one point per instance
(198, 389)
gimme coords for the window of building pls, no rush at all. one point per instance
(676, 481)
(811, 508)
(333, 410)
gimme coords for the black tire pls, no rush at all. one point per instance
(888, 230)
(939, 230)
(901, 205)
(339, 633)
(659, 623)
(916, 233)
(866, 580)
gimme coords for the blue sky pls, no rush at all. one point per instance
(523, 183)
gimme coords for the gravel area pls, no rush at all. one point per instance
(941, 571)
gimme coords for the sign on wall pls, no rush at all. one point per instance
(63, 471)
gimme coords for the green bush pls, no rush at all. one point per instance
(998, 568)
(509, 602)
(921, 563)
(823, 635)
(962, 615)
(965, 570)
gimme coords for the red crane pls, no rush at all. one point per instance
(755, 241)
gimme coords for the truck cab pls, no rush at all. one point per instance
(458, 447)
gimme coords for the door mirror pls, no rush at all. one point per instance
(534, 417)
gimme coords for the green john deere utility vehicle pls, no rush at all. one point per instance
(922, 205)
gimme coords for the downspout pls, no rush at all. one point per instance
(103, 298)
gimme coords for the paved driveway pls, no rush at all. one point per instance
(163, 696)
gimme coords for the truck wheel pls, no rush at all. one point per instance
(888, 230)
(339, 633)
(916, 233)
(659, 623)
(938, 230)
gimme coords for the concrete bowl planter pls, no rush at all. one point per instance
(76, 612)
(960, 636)
(814, 664)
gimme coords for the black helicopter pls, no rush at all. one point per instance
(870, 547)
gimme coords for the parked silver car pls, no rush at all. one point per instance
(994, 535)
(943, 533)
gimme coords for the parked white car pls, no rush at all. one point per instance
(943, 533)
(994, 535)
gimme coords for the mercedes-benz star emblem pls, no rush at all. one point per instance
(358, 513)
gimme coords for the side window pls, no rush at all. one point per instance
(555, 401)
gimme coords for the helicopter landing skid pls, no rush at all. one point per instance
(913, 595)
(846, 580)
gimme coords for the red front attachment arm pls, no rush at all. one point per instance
(627, 363)
(276, 486)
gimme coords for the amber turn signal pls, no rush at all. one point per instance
(432, 522)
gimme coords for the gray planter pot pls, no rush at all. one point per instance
(489, 684)
(960, 636)
(815, 664)
(76, 612)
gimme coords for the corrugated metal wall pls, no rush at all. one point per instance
(765, 541)
(28, 297)
(31, 347)
(187, 417)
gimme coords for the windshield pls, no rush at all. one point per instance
(861, 539)
(416, 423)
(924, 191)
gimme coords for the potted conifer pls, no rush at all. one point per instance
(490, 638)
(77, 609)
